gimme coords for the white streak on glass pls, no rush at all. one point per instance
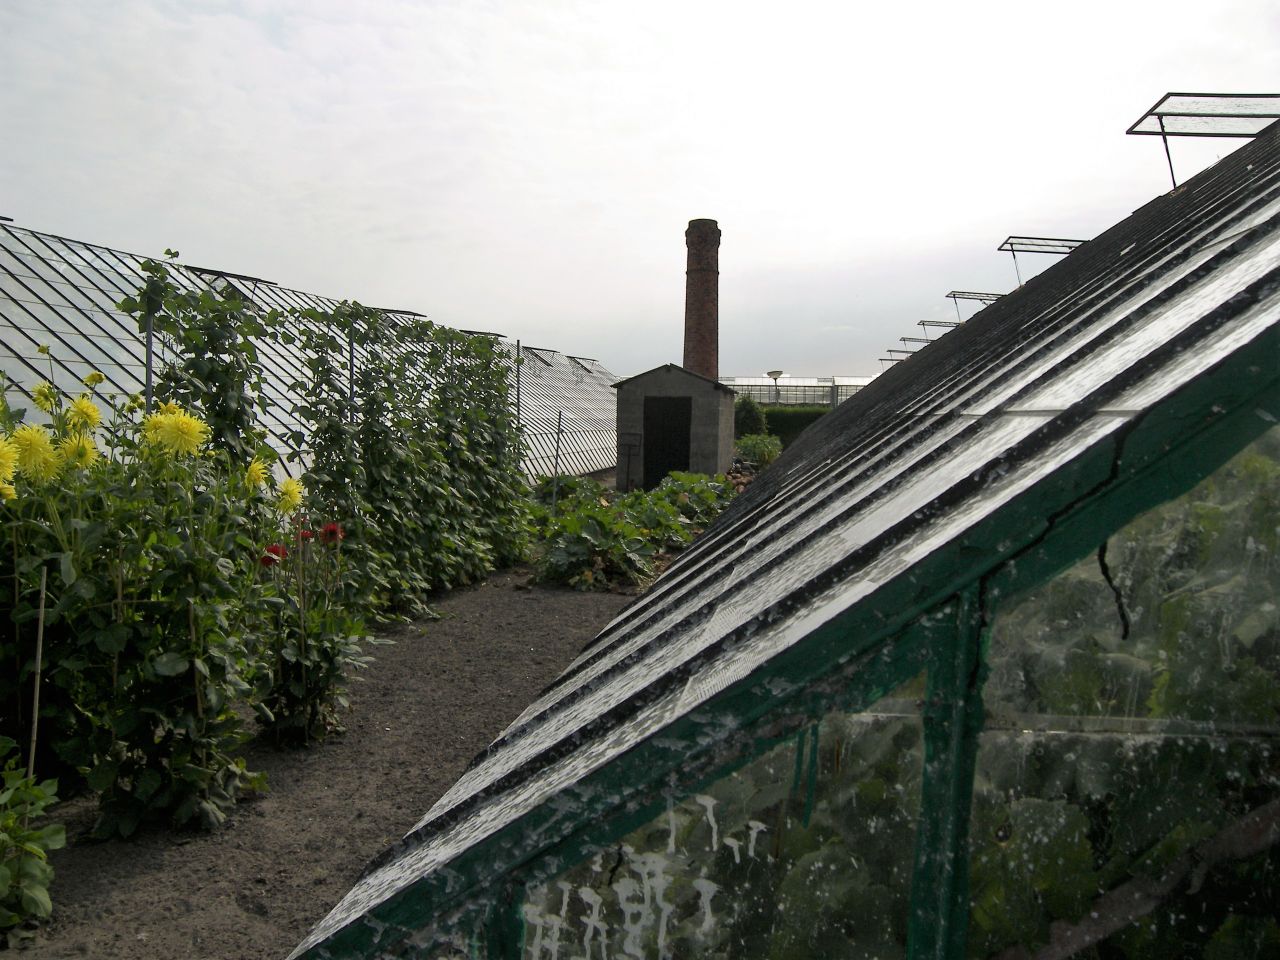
(706, 890)
(735, 846)
(708, 804)
(592, 922)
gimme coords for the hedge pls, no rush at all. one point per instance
(787, 422)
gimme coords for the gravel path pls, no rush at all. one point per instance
(427, 705)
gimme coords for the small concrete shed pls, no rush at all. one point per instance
(671, 419)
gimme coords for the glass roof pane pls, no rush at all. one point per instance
(1264, 105)
(1210, 115)
(1133, 707)
(1204, 126)
(14, 265)
(754, 866)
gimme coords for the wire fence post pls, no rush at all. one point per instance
(351, 371)
(150, 355)
(555, 468)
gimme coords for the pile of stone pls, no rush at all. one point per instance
(741, 474)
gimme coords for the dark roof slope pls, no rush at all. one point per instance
(944, 467)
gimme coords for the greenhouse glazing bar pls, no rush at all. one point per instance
(952, 721)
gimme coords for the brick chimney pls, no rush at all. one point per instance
(702, 299)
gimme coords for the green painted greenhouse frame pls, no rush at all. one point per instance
(837, 616)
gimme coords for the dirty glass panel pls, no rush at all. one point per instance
(453, 935)
(804, 852)
(1127, 799)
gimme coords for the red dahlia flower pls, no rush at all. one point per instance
(332, 532)
(275, 553)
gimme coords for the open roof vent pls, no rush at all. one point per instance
(1206, 115)
(1054, 245)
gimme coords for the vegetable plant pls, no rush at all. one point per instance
(25, 874)
(760, 449)
(594, 539)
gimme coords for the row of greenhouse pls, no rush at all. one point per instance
(65, 295)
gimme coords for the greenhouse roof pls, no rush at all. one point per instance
(989, 444)
(64, 294)
(786, 380)
(576, 395)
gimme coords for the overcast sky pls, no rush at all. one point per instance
(529, 168)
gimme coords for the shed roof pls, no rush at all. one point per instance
(674, 368)
(986, 445)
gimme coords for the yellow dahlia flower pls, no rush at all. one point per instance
(290, 497)
(83, 412)
(45, 396)
(78, 449)
(93, 379)
(8, 459)
(7, 492)
(37, 458)
(178, 432)
(170, 407)
(255, 474)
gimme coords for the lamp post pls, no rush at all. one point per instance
(775, 374)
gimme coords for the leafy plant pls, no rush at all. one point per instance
(317, 641)
(698, 497)
(214, 367)
(418, 452)
(760, 449)
(25, 874)
(595, 540)
(184, 588)
(748, 417)
(150, 614)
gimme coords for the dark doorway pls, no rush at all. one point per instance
(666, 437)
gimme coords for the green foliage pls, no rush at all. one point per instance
(185, 592)
(25, 874)
(748, 417)
(787, 422)
(417, 456)
(595, 540)
(149, 622)
(214, 368)
(316, 643)
(760, 449)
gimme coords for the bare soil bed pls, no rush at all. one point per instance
(427, 705)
